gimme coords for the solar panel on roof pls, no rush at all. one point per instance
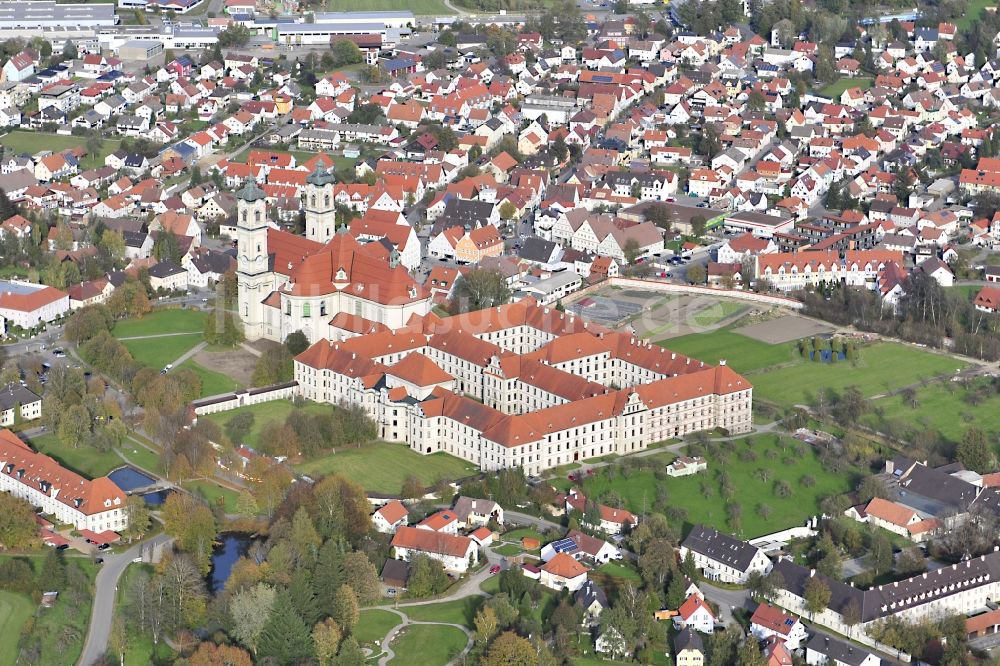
(564, 546)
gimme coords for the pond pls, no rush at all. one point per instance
(129, 478)
(231, 547)
(156, 498)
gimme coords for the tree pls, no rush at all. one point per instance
(851, 613)
(345, 609)
(52, 575)
(74, 426)
(631, 251)
(239, 426)
(696, 274)
(346, 52)
(69, 51)
(138, 516)
(296, 343)
(274, 366)
(817, 596)
(166, 247)
(660, 215)
(750, 654)
(223, 328)
(486, 625)
(479, 289)
(903, 183)
(880, 554)
(509, 649)
(698, 225)
(285, 638)
(113, 243)
(710, 143)
(193, 525)
(236, 35)
(974, 451)
(507, 211)
(427, 577)
(326, 640)
(362, 577)
(210, 654)
(129, 300)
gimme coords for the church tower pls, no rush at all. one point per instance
(321, 219)
(252, 271)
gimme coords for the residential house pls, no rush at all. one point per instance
(722, 557)
(390, 516)
(456, 553)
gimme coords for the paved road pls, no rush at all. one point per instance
(726, 599)
(106, 586)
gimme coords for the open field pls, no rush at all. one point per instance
(418, 7)
(460, 611)
(158, 352)
(374, 624)
(788, 328)
(33, 142)
(972, 13)
(140, 456)
(837, 88)
(84, 460)
(159, 322)
(718, 311)
(882, 367)
(276, 410)
(382, 467)
(940, 407)
(212, 493)
(742, 353)
(15, 609)
(212, 383)
(780, 458)
(427, 645)
(237, 364)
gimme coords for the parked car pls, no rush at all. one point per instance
(495, 569)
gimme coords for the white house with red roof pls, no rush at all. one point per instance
(563, 572)
(696, 615)
(455, 553)
(770, 621)
(390, 516)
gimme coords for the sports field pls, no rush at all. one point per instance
(15, 609)
(382, 467)
(418, 7)
(33, 142)
(742, 353)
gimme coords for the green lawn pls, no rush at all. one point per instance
(15, 609)
(140, 650)
(881, 367)
(212, 382)
(158, 322)
(718, 311)
(460, 611)
(264, 413)
(619, 570)
(425, 7)
(382, 467)
(518, 534)
(84, 460)
(427, 645)
(211, 492)
(158, 352)
(140, 456)
(508, 550)
(742, 353)
(749, 491)
(33, 142)
(940, 407)
(491, 585)
(374, 624)
(837, 88)
(972, 13)
(964, 292)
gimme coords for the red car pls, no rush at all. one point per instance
(495, 569)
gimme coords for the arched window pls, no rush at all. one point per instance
(326, 200)
(244, 215)
(314, 201)
(256, 216)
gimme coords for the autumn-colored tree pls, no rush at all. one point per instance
(326, 638)
(509, 649)
(191, 522)
(17, 523)
(210, 654)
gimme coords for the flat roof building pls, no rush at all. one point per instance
(35, 14)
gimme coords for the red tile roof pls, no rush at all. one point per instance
(429, 541)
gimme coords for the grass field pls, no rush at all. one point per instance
(460, 611)
(940, 407)
(435, 7)
(84, 460)
(882, 367)
(837, 88)
(159, 322)
(382, 467)
(264, 413)
(15, 609)
(742, 353)
(972, 13)
(34, 142)
(212, 383)
(619, 570)
(211, 492)
(749, 491)
(140, 456)
(373, 625)
(718, 311)
(427, 645)
(158, 352)
(508, 550)
(964, 292)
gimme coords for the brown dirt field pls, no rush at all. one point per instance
(238, 364)
(784, 329)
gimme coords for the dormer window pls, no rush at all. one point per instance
(341, 275)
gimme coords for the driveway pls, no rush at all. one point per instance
(106, 589)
